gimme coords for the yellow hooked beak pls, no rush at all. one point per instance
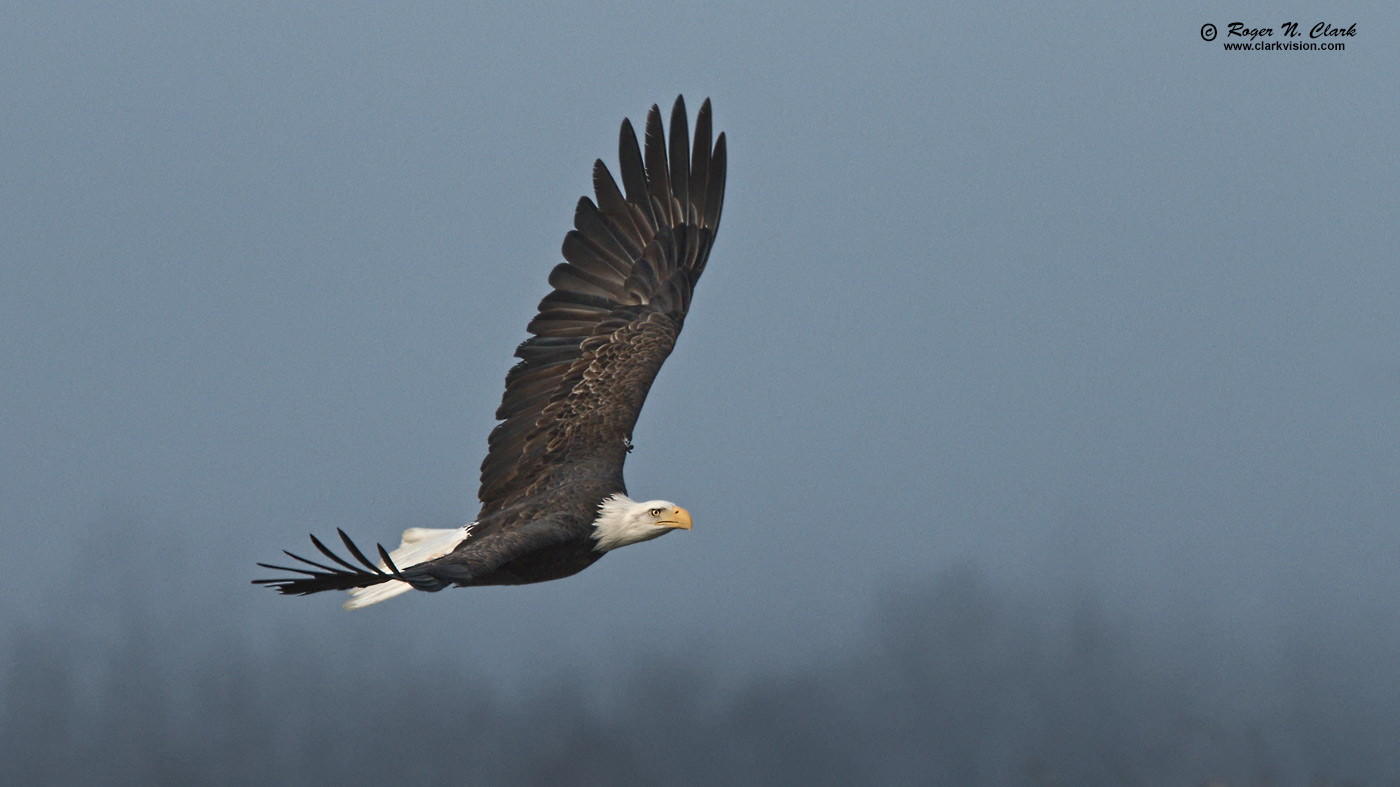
(678, 518)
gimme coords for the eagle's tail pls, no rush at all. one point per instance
(370, 583)
(420, 544)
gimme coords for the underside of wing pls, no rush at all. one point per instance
(618, 303)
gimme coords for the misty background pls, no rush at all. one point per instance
(1039, 410)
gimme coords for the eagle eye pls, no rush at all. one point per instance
(655, 512)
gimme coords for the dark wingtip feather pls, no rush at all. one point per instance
(389, 562)
(328, 553)
(700, 162)
(354, 550)
(714, 194)
(321, 566)
(633, 170)
(658, 175)
(680, 156)
(328, 577)
(293, 570)
(275, 567)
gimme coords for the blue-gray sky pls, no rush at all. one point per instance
(1066, 295)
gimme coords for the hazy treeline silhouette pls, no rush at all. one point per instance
(960, 683)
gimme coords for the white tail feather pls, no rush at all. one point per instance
(420, 544)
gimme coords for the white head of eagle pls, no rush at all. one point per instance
(622, 521)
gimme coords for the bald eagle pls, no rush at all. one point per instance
(552, 497)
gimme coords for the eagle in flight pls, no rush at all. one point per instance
(552, 496)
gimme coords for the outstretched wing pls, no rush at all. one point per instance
(619, 302)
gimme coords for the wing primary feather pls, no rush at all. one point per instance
(585, 254)
(680, 157)
(689, 245)
(598, 229)
(657, 176)
(700, 163)
(321, 566)
(289, 568)
(328, 553)
(389, 562)
(634, 174)
(714, 188)
(354, 550)
(612, 204)
(604, 234)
